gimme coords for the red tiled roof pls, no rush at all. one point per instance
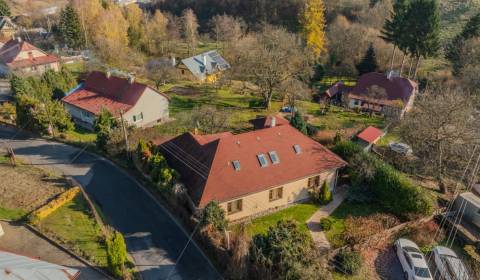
(10, 51)
(396, 88)
(114, 93)
(370, 134)
(266, 122)
(207, 170)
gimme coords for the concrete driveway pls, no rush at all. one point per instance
(153, 237)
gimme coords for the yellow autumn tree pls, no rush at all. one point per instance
(313, 21)
(156, 33)
(88, 12)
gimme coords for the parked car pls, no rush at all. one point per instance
(449, 265)
(412, 260)
(401, 148)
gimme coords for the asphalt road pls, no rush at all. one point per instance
(153, 237)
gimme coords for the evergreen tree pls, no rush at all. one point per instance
(116, 254)
(214, 215)
(70, 28)
(369, 62)
(4, 9)
(394, 28)
(470, 30)
(313, 22)
(298, 122)
(103, 126)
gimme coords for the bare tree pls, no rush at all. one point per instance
(210, 119)
(226, 29)
(293, 90)
(190, 29)
(442, 129)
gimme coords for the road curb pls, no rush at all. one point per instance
(66, 250)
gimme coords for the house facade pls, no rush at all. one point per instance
(139, 104)
(205, 67)
(252, 173)
(23, 58)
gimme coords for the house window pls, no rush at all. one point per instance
(356, 102)
(274, 157)
(262, 160)
(137, 118)
(275, 194)
(234, 206)
(236, 165)
(297, 149)
(314, 182)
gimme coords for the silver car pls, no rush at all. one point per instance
(412, 260)
(449, 265)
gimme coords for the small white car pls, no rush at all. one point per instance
(412, 260)
(401, 148)
(449, 265)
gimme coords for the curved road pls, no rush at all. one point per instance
(153, 237)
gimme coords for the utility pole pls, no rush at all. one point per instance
(125, 134)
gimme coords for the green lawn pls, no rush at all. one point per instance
(300, 213)
(80, 135)
(75, 225)
(328, 81)
(11, 214)
(334, 235)
(339, 118)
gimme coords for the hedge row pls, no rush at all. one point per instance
(155, 164)
(392, 189)
(59, 201)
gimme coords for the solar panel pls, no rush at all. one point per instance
(274, 157)
(263, 160)
(236, 165)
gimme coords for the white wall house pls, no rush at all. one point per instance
(140, 105)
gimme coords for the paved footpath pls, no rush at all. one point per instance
(20, 240)
(313, 223)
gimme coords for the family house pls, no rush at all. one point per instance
(205, 67)
(24, 58)
(140, 105)
(254, 172)
(7, 28)
(391, 96)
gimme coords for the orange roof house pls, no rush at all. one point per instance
(22, 57)
(253, 172)
(140, 104)
(370, 136)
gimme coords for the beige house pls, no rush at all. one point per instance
(252, 173)
(24, 58)
(137, 103)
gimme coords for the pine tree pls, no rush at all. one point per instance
(4, 9)
(470, 30)
(313, 22)
(298, 122)
(70, 28)
(369, 62)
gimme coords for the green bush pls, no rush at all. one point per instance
(349, 261)
(325, 194)
(326, 224)
(116, 254)
(311, 130)
(347, 149)
(214, 215)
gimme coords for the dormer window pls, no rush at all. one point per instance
(236, 165)
(262, 159)
(297, 149)
(274, 157)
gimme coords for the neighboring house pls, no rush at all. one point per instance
(469, 202)
(140, 105)
(205, 67)
(252, 173)
(7, 28)
(391, 96)
(13, 266)
(369, 137)
(335, 92)
(22, 57)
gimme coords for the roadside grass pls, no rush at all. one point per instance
(299, 213)
(334, 235)
(80, 135)
(74, 225)
(12, 214)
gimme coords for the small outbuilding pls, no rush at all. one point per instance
(369, 137)
(205, 67)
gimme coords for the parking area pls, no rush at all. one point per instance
(20, 240)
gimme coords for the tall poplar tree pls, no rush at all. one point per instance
(313, 21)
(70, 28)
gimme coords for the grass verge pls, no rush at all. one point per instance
(11, 214)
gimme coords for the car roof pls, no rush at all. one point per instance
(453, 264)
(403, 242)
(444, 251)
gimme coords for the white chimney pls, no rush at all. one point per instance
(108, 74)
(131, 79)
(205, 61)
(174, 61)
(274, 122)
(19, 39)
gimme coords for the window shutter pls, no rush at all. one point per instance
(229, 207)
(280, 193)
(239, 205)
(270, 194)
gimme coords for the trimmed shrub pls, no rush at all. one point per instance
(116, 254)
(53, 205)
(214, 215)
(326, 223)
(349, 261)
(325, 194)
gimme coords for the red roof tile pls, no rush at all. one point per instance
(114, 93)
(9, 55)
(370, 134)
(207, 170)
